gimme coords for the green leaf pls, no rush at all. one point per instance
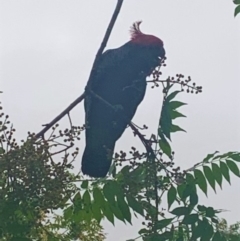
(163, 223)
(207, 230)
(179, 211)
(172, 95)
(81, 215)
(108, 213)
(217, 236)
(190, 178)
(86, 200)
(117, 189)
(98, 197)
(86, 197)
(203, 230)
(124, 208)
(214, 220)
(176, 104)
(2, 151)
(68, 212)
(237, 10)
(165, 147)
(210, 212)
(143, 231)
(189, 189)
(77, 201)
(225, 171)
(180, 234)
(149, 208)
(96, 211)
(135, 205)
(235, 157)
(117, 212)
(217, 174)
(20, 239)
(209, 156)
(167, 235)
(120, 209)
(138, 173)
(190, 219)
(228, 154)
(233, 167)
(193, 199)
(171, 196)
(175, 128)
(84, 184)
(125, 170)
(209, 175)
(236, 2)
(180, 239)
(77, 197)
(109, 193)
(180, 190)
(201, 180)
(175, 114)
(165, 120)
(201, 208)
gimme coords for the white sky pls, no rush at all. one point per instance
(47, 49)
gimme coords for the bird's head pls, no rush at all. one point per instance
(151, 47)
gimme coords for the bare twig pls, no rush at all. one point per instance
(99, 52)
(183, 84)
(145, 142)
(58, 152)
(140, 128)
(70, 120)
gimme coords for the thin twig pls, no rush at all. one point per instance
(196, 88)
(99, 52)
(58, 152)
(143, 139)
(140, 128)
(60, 116)
(70, 120)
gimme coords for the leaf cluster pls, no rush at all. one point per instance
(237, 8)
(43, 199)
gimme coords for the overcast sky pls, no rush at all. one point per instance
(46, 52)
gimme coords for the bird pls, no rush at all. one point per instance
(113, 95)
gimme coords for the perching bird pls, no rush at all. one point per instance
(120, 80)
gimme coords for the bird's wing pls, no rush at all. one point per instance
(106, 66)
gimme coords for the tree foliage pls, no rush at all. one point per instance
(43, 199)
(237, 8)
(231, 232)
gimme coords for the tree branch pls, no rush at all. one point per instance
(99, 53)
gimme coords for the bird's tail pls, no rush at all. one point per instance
(97, 159)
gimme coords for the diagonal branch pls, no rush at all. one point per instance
(60, 116)
(99, 53)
